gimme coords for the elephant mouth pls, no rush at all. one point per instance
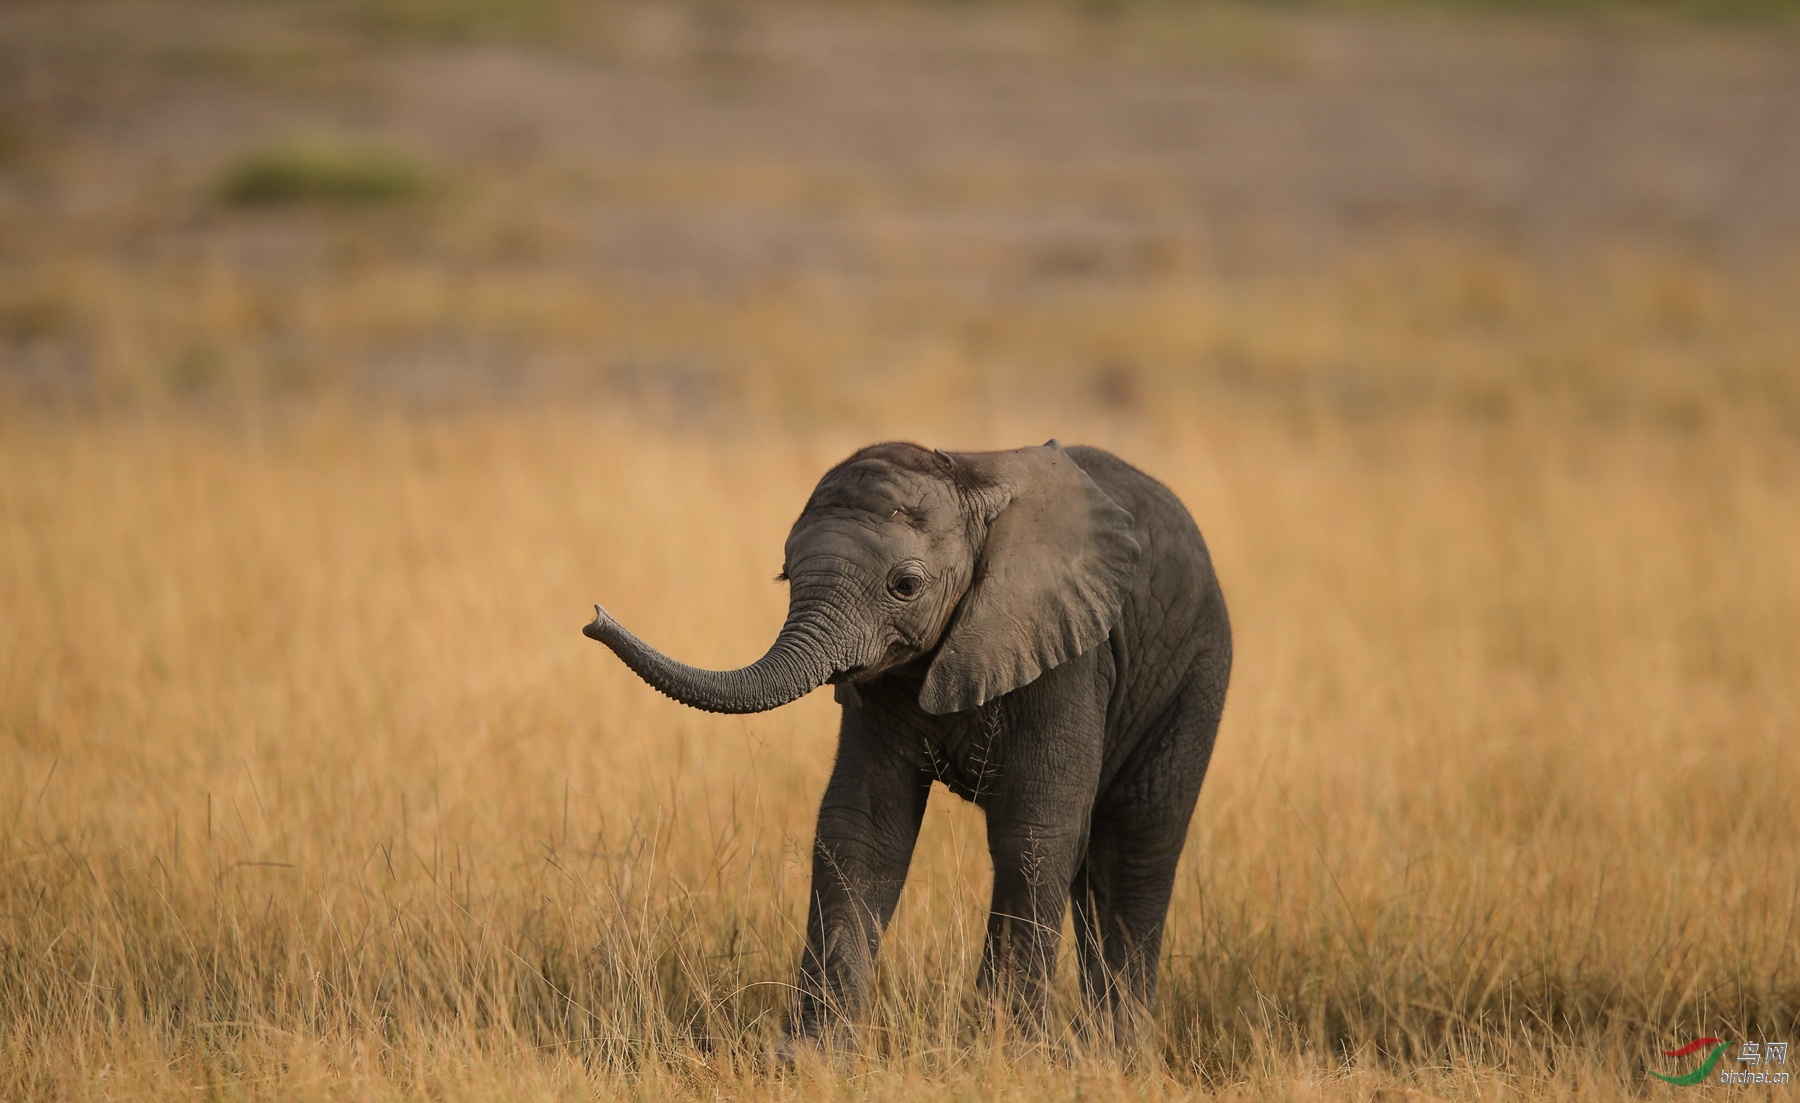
(848, 674)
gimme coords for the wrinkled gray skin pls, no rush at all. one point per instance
(1041, 631)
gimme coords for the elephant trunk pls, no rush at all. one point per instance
(796, 663)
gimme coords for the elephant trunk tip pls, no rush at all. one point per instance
(792, 667)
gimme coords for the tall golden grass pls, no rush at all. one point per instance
(315, 790)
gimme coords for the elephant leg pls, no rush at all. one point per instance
(1037, 833)
(868, 823)
(1032, 869)
(1097, 990)
(1120, 899)
(1120, 896)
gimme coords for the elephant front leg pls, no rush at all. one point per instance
(868, 823)
(1038, 820)
(1033, 866)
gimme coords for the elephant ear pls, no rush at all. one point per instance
(1049, 583)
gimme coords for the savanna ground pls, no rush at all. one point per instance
(348, 352)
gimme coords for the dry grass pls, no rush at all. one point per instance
(317, 789)
(314, 789)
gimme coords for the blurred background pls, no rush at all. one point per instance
(349, 350)
(714, 212)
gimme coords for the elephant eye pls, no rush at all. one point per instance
(906, 585)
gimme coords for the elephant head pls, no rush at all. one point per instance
(993, 566)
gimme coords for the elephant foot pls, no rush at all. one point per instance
(835, 1052)
(1019, 1024)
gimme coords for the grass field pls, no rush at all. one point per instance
(316, 789)
(313, 789)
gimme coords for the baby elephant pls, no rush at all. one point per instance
(1040, 630)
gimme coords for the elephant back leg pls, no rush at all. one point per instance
(1120, 894)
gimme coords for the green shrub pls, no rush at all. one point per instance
(463, 20)
(316, 172)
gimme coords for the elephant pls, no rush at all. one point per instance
(1042, 631)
